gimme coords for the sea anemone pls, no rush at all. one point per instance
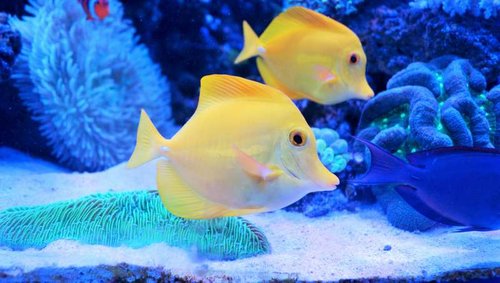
(86, 81)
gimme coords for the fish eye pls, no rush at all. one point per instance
(354, 58)
(297, 138)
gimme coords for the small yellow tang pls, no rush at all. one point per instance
(308, 55)
(246, 149)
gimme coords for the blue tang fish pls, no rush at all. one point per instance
(457, 186)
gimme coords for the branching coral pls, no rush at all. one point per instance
(86, 81)
(134, 219)
(486, 8)
(438, 104)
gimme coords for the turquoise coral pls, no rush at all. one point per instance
(134, 219)
(332, 150)
(428, 105)
(85, 82)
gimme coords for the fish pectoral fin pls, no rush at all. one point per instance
(181, 200)
(271, 80)
(410, 195)
(324, 75)
(256, 169)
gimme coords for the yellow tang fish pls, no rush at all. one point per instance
(308, 55)
(246, 149)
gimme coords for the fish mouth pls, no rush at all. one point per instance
(324, 186)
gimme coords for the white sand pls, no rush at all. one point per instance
(342, 246)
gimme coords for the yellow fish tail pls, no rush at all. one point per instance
(252, 46)
(150, 144)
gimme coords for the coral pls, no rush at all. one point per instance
(429, 105)
(396, 35)
(494, 97)
(333, 153)
(332, 150)
(486, 8)
(10, 46)
(86, 81)
(134, 219)
(333, 8)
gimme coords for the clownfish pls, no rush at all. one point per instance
(95, 9)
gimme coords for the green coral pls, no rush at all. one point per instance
(134, 219)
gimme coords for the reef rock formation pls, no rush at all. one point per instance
(134, 219)
(428, 105)
(85, 82)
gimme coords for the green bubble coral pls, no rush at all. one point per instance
(134, 219)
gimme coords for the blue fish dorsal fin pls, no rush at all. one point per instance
(410, 195)
(420, 158)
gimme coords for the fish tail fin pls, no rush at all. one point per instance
(252, 46)
(150, 144)
(385, 168)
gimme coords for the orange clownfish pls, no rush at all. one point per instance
(95, 9)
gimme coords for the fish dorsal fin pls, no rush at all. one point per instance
(300, 17)
(221, 88)
(183, 201)
(420, 158)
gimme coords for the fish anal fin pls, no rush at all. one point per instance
(182, 201)
(271, 80)
(300, 17)
(410, 195)
(256, 169)
(217, 89)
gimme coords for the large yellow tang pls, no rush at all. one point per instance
(246, 149)
(308, 55)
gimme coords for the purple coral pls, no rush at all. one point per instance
(429, 105)
(494, 97)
